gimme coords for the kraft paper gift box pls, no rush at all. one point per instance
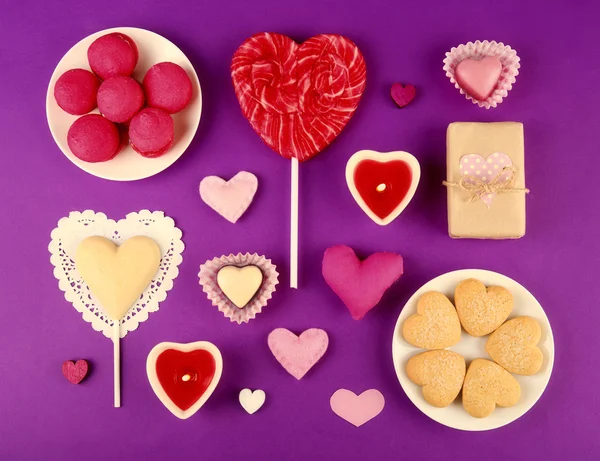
(485, 168)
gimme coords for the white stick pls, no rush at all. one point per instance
(294, 226)
(117, 362)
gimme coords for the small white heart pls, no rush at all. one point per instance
(252, 401)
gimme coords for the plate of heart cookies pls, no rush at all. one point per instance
(473, 350)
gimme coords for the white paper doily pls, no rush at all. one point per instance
(77, 226)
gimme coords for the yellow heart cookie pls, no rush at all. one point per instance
(481, 310)
(239, 284)
(435, 325)
(440, 373)
(117, 275)
(514, 346)
(486, 385)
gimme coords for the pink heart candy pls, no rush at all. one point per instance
(357, 409)
(75, 371)
(478, 77)
(360, 284)
(402, 95)
(298, 354)
(229, 198)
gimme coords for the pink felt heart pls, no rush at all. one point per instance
(478, 77)
(298, 354)
(357, 409)
(229, 198)
(360, 284)
(75, 371)
(486, 170)
(402, 95)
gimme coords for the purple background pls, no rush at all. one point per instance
(556, 95)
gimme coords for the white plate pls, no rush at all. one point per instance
(128, 165)
(532, 387)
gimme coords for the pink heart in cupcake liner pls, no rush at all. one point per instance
(360, 284)
(357, 409)
(298, 354)
(230, 198)
(486, 170)
(483, 71)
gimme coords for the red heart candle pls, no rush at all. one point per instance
(183, 376)
(382, 183)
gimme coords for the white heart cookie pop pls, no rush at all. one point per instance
(382, 183)
(252, 401)
(239, 284)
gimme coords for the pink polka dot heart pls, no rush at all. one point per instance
(486, 170)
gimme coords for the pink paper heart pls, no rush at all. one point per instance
(402, 95)
(478, 77)
(360, 284)
(357, 409)
(298, 354)
(229, 198)
(486, 170)
(75, 371)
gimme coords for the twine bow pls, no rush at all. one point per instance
(479, 189)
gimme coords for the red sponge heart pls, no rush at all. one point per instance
(75, 371)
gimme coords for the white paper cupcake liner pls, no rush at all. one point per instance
(208, 280)
(478, 50)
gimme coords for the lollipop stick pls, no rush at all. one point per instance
(294, 226)
(117, 365)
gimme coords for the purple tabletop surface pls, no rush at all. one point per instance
(556, 96)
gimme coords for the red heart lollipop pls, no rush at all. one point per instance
(298, 98)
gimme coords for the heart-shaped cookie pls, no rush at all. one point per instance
(481, 310)
(117, 275)
(514, 346)
(298, 97)
(75, 371)
(184, 376)
(486, 385)
(360, 284)
(478, 77)
(239, 284)
(357, 409)
(382, 183)
(440, 373)
(298, 354)
(435, 325)
(230, 198)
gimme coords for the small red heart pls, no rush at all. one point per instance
(402, 95)
(75, 371)
(185, 376)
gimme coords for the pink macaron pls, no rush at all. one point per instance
(120, 98)
(151, 132)
(75, 91)
(92, 138)
(167, 87)
(113, 54)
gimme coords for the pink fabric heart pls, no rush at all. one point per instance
(75, 371)
(298, 354)
(402, 95)
(360, 284)
(357, 409)
(229, 198)
(486, 170)
(478, 77)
